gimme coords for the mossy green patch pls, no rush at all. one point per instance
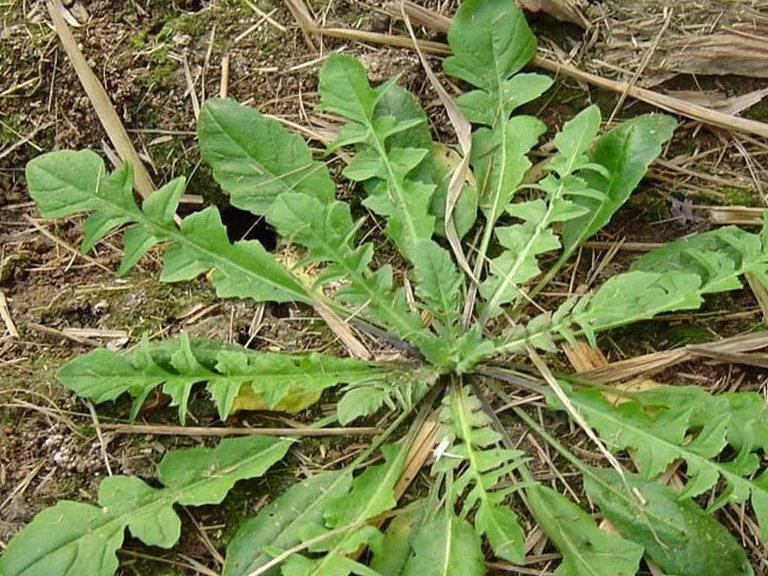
(733, 196)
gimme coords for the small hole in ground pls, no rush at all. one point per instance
(242, 225)
(192, 5)
(281, 310)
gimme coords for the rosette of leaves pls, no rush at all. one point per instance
(347, 521)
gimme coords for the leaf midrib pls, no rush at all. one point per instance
(176, 235)
(682, 450)
(570, 320)
(506, 279)
(364, 514)
(357, 278)
(167, 496)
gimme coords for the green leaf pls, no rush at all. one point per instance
(679, 536)
(255, 159)
(371, 494)
(74, 539)
(103, 375)
(748, 421)
(499, 159)
(523, 243)
(466, 436)
(624, 299)
(438, 165)
(277, 527)
(359, 402)
(719, 256)
(402, 200)
(675, 276)
(625, 152)
(438, 283)
(241, 270)
(328, 232)
(446, 546)
(491, 41)
(479, 106)
(587, 550)
(398, 540)
(406, 389)
(66, 183)
(660, 438)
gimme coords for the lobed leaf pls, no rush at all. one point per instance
(65, 183)
(466, 436)
(437, 166)
(523, 243)
(660, 437)
(491, 41)
(625, 152)
(328, 233)
(73, 539)
(500, 160)
(680, 537)
(366, 398)
(719, 257)
(371, 493)
(438, 285)
(280, 381)
(402, 200)
(675, 276)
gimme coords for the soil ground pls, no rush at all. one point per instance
(49, 448)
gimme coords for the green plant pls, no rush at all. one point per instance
(480, 477)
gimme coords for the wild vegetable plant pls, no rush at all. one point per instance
(518, 233)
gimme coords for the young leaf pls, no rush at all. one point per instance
(255, 159)
(587, 550)
(446, 546)
(328, 233)
(466, 433)
(278, 379)
(277, 527)
(524, 242)
(438, 284)
(65, 183)
(73, 539)
(660, 438)
(625, 152)
(680, 537)
(403, 201)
